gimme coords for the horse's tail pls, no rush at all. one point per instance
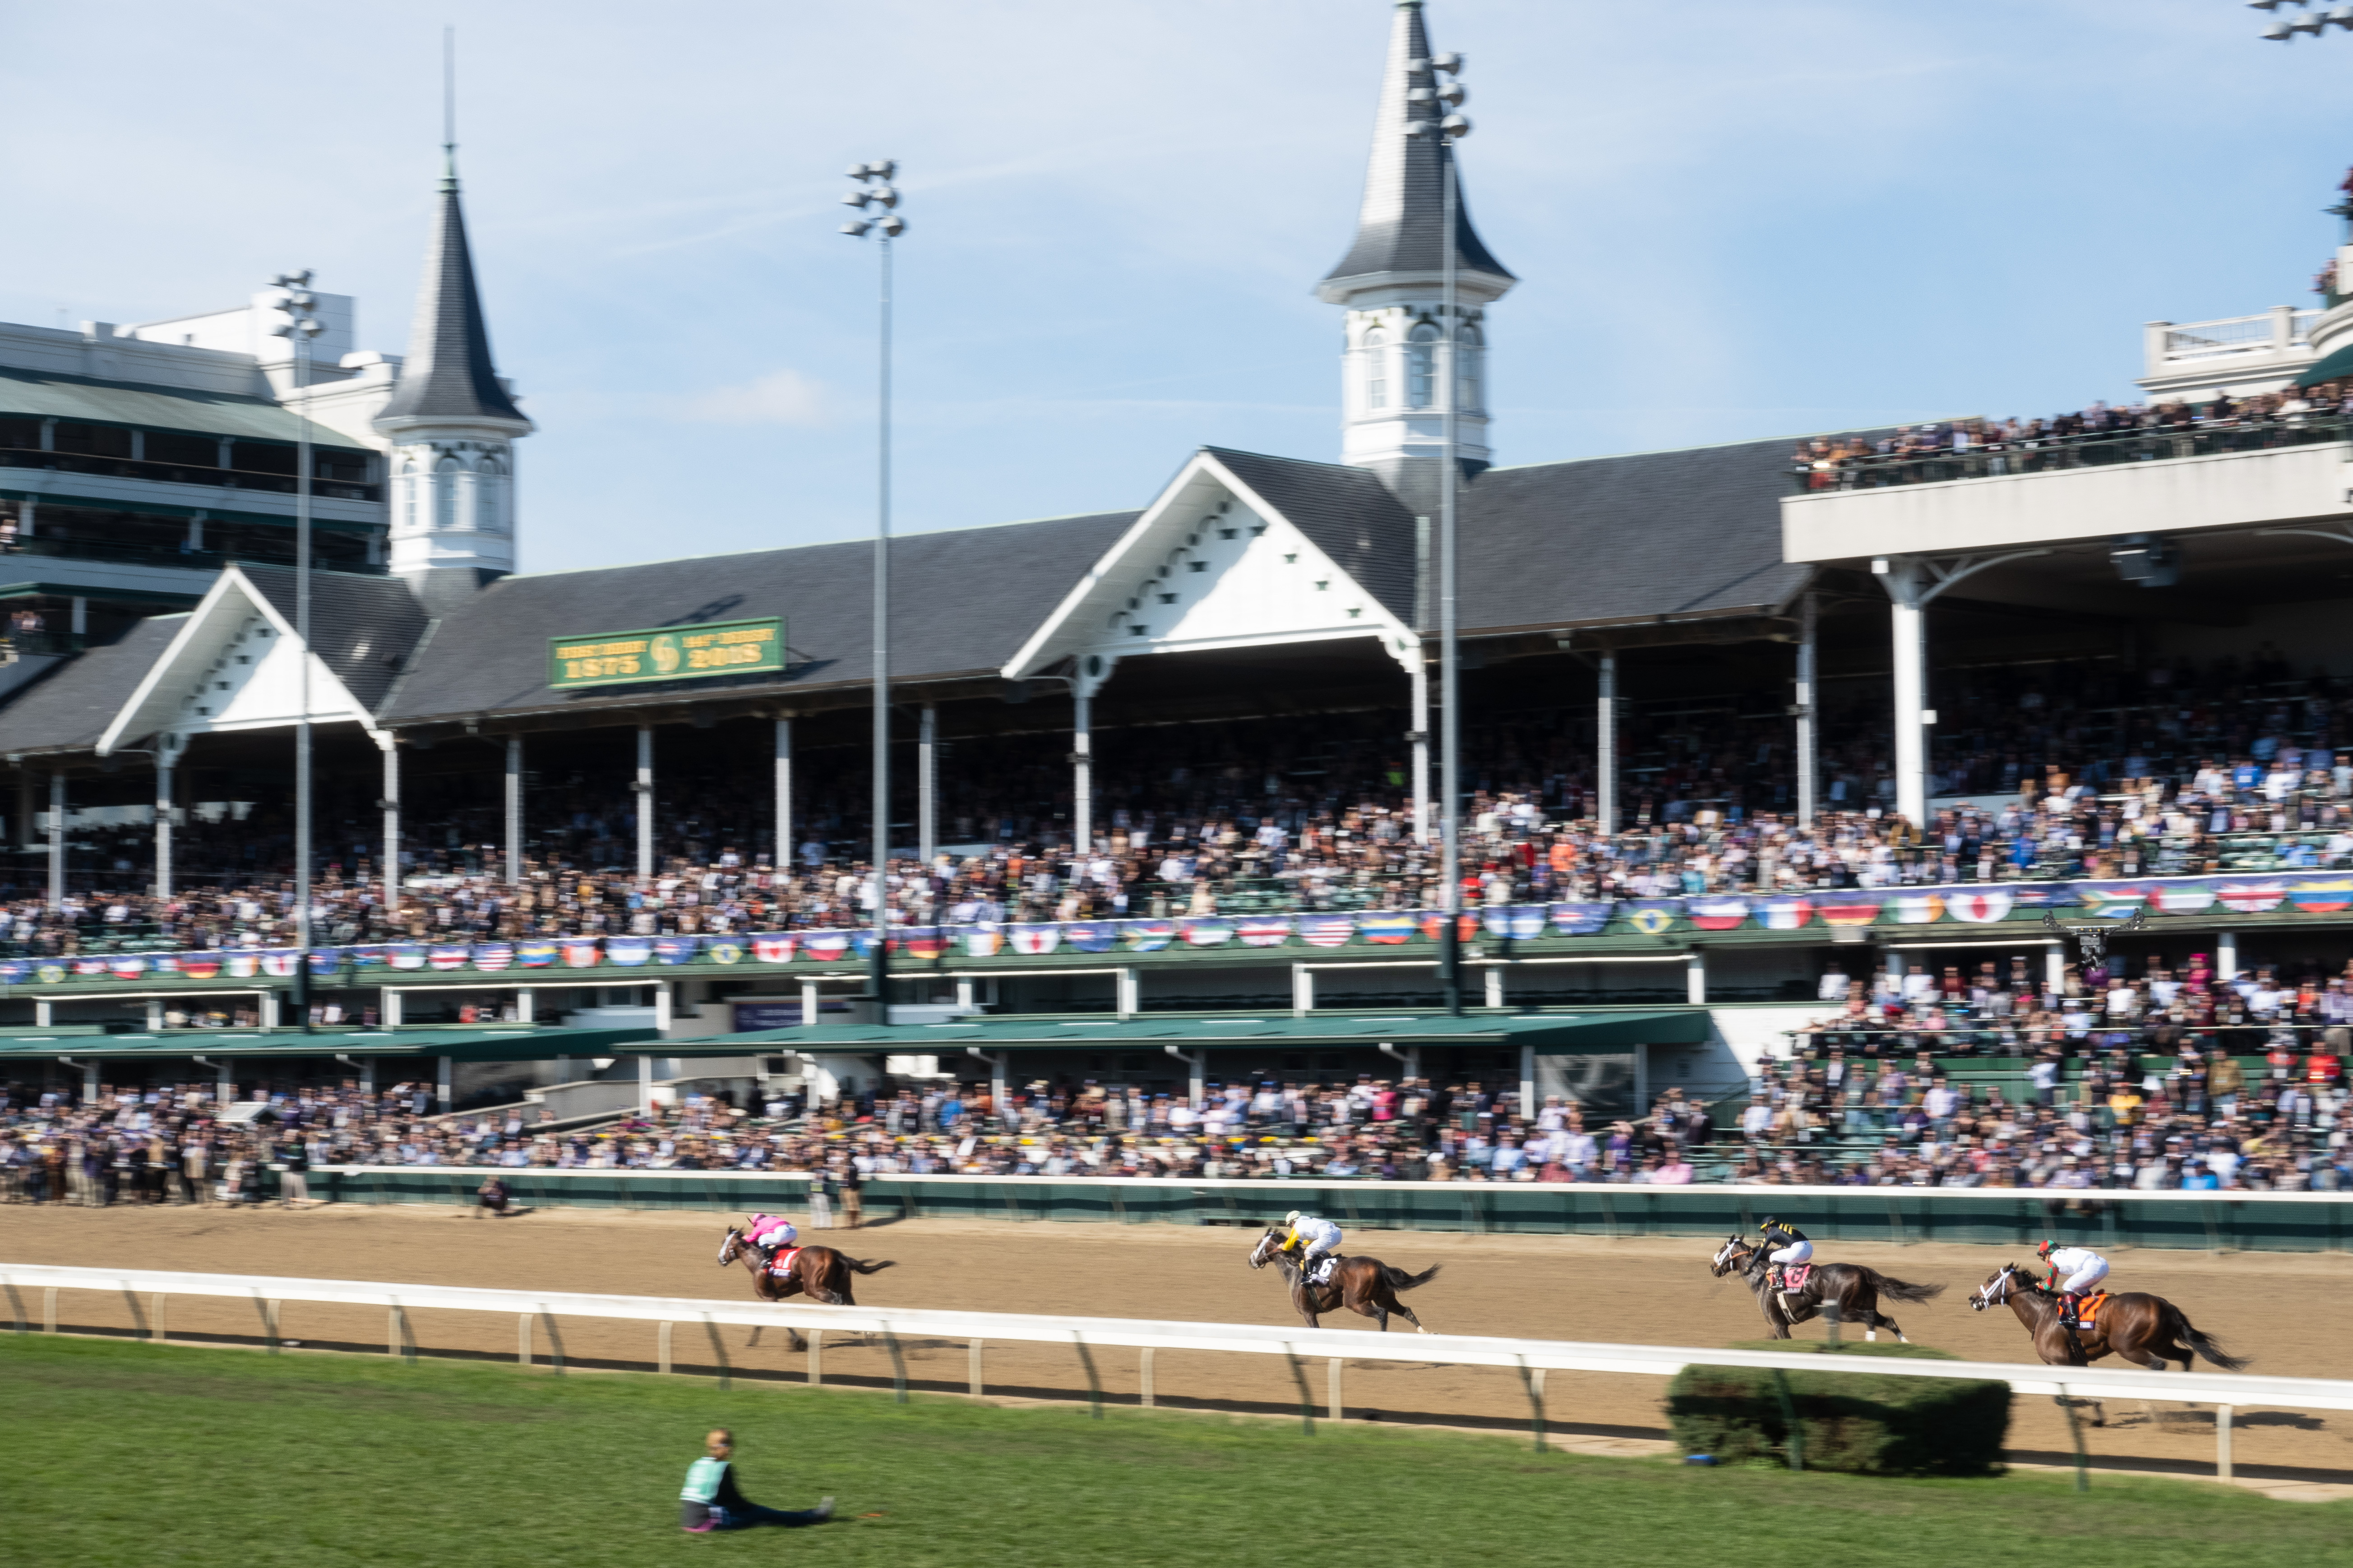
(1896, 1289)
(859, 1266)
(2203, 1345)
(1398, 1280)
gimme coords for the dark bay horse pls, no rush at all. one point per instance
(1854, 1289)
(1365, 1286)
(2147, 1331)
(820, 1273)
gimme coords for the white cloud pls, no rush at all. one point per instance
(780, 397)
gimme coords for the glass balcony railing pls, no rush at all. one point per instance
(1822, 472)
(333, 555)
(182, 474)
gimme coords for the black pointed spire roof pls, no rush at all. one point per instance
(449, 373)
(1397, 228)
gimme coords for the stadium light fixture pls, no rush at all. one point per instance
(2308, 17)
(873, 192)
(299, 327)
(1450, 129)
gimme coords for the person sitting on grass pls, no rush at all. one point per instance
(710, 1501)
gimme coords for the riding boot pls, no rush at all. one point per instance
(2069, 1306)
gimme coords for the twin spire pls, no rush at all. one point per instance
(449, 373)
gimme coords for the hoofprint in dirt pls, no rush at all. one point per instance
(2279, 1309)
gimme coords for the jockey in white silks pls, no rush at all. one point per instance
(1316, 1239)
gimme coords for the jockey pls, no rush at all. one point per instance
(1318, 1237)
(1784, 1244)
(2075, 1271)
(771, 1233)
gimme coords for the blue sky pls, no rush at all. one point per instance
(1731, 220)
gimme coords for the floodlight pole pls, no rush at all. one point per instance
(1450, 666)
(301, 326)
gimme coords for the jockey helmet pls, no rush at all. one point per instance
(1292, 1218)
(2046, 1249)
(1768, 1223)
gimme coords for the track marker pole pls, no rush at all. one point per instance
(1334, 1407)
(661, 1351)
(817, 1358)
(1145, 1372)
(2222, 1417)
(974, 1369)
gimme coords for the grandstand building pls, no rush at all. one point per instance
(1647, 615)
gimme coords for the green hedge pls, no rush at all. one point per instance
(1846, 1420)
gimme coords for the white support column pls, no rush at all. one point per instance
(1082, 773)
(927, 787)
(784, 856)
(809, 1003)
(390, 1003)
(2226, 955)
(1808, 715)
(166, 755)
(665, 1001)
(1528, 1083)
(1695, 978)
(1197, 1064)
(967, 991)
(2055, 968)
(45, 1012)
(1605, 748)
(645, 1086)
(154, 1015)
(57, 840)
(1492, 985)
(1419, 736)
(514, 811)
(269, 1001)
(1907, 592)
(526, 1008)
(390, 803)
(443, 1095)
(1303, 990)
(644, 793)
(1130, 994)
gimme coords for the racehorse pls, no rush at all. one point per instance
(1365, 1285)
(1854, 1289)
(2147, 1331)
(819, 1272)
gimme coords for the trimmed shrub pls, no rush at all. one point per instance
(1847, 1420)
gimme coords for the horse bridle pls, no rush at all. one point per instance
(1721, 1264)
(1985, 1296)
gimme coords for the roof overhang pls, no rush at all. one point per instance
(1547, 1034)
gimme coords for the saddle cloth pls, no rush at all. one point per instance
(781, 1266)
(2089, 1307)
(1794, 1277)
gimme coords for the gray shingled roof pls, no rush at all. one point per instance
(1349, 515)
(1401, 222)
(1653, 535)
(70, 707)
(448, 373)
(963, 603)
(362, 628)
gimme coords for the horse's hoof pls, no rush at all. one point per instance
(1419, 1329)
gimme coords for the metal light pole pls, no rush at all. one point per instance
(874, 190)
(301, 325)
(1450, 129)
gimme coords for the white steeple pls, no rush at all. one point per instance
(1392, 418)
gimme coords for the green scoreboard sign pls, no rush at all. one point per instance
(670, 653)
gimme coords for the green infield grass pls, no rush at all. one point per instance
(149, 1455)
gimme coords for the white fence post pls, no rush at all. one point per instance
(523, 1339)
(974, 1370)
(661, 1350)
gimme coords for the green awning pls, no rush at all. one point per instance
(99, 595)
(1549, 1034)
(2332, 367)
(84, 400)
(210, 513)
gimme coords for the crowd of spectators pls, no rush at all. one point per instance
(1979, 447)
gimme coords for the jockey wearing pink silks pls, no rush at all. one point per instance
(771, 1233)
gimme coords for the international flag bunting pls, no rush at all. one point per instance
(281, 962)
(1148, 936)
(2111, 902)
(1433, 925)
(723, 950)
(1979, 908)
(1387, 928)
(2044, 895)
(825, 946)
(200, 966)
(983, 940)
(368, 957)
(861, 942)
(89, 967)
(127, 965)
(493, 956)
(49, 973)
(1264, 931)
(326, 961)
(1848, 912)
(1582, 919)
(241, 965)
(535, 954)
(13, 971)
(406, 955)
(166, 963)
(1915, 909)
(2252, 898)
(628, 951)
(2183, 898)
(1719, 913)
(675, 948)
(579, 953)
(1326, 930)
(1654, 917)
(772, 946)
(1091, 936)
(450, 955)
(1039, 938)
(1206, 930)
(2327, 897)
(922, 942)
(1784, 913)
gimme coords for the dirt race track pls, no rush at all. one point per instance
(2286, 1310)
